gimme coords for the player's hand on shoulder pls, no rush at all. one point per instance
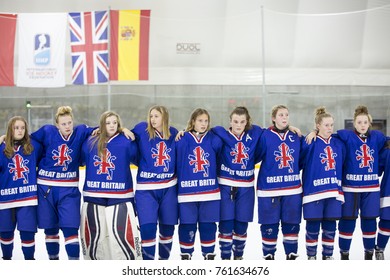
(295, 130)
(128, 134)
(179, 135)
(310, 137)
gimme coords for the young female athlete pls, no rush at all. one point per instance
(236, 181)
(19, 157)
(199, 196)
(108, 224)
(360, 182)
(58, 182)
(322, 163)
(279, 188)
(156, 190)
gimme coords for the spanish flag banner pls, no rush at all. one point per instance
(129, 45)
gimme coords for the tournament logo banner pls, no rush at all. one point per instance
(41, 50)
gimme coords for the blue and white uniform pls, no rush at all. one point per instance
(108, 178)
(322, 164)
(360, 186)
(19, 199)
(236, 180)
(156, 190)
(279, 190)
(199, 195)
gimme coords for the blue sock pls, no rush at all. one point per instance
(239, 238)
(226, 238)
(346, 229)
(52, 241)
(269, 237)
(28, 244)
(7, 244)
(72, 243)
(290, 238)
(207, 232)
(165, 241)
(148, 236)
(312, 232)
(328, 234)
(187, 233)
(383, 234)
(369, 233)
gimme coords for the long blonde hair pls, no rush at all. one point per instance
(9, 138)
(100, 140)
(165, 122)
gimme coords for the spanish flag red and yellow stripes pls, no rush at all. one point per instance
(129, 45)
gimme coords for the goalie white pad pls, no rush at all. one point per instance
(110, 233)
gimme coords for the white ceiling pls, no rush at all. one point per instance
(305, 41)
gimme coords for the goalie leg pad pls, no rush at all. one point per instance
(93, 232)
(123, 232)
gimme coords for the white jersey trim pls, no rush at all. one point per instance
(361, 189)
(385, 202)
(15, 204)
(53, 183)
(199, 197)
(108, 195)
(279, 192)
(236, 183)
(320, 196)
(156, 185)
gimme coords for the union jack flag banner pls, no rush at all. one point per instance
(89, 47)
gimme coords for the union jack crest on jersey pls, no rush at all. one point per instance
(62, 156)
(327, 157)
(200, 161)
(161, 154)
(89, 47)
(284, 157)
(364, 155)
(19, 168)
(105, 163)
(239, 152)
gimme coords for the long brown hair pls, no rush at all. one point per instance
(165, 122)
(100, 140)
(197, 112)
(9, 138)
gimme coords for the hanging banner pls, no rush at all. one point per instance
(42, 40)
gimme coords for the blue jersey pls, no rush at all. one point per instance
(362, 160)
(109, 176)
(60, 163)
(237, 166)
(157, 159)
(279, 172)
(18, 177)
(197, 167)
(385, 183)
(322, 164)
